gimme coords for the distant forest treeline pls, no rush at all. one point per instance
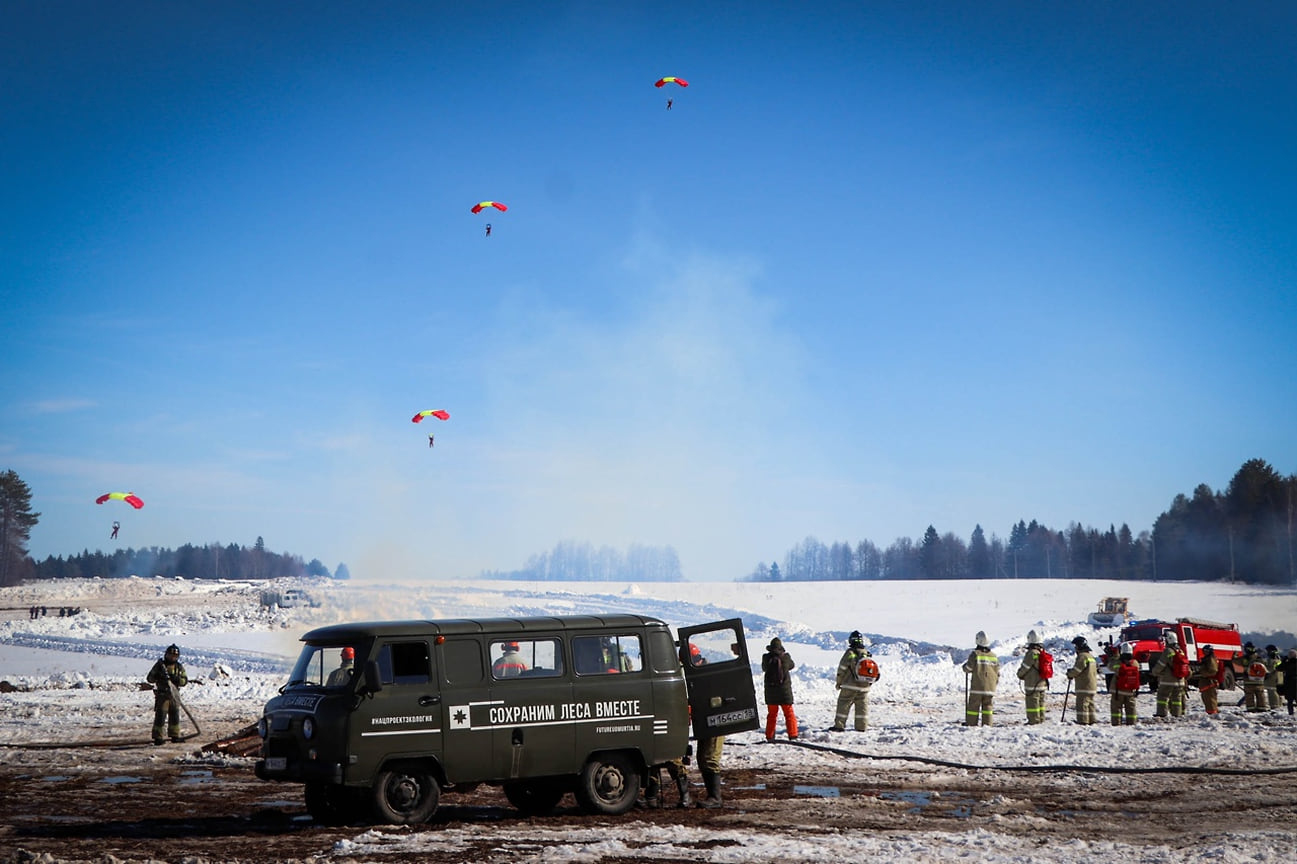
(1244, 534)
(212, 561)
(571, 561)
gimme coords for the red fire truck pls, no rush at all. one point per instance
(1145, 639)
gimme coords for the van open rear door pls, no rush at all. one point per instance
(722, 700)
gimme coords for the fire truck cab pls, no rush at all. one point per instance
(1147, 639)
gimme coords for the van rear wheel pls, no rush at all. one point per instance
(405, 795)
(609, 784)
(534, 797)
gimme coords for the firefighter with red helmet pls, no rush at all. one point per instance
(1125, 687)
(1171, 673)
(1034, 684)
(510, 663)
(341, 676)
(1085, 672)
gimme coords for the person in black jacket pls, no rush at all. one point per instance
(776, 664)
(1288, 669)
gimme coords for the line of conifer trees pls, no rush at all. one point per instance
(210, 561)
(1245, 533)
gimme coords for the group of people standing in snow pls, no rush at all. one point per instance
(1267, 680)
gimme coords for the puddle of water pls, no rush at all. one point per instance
(56, 778)
(189, 778)
(118, 780)
(919, 799)
(760, 787)
(818, 791)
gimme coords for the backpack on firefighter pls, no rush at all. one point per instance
(1045, 665)
(1180, 665)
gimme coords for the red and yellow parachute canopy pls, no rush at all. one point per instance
(438, 413)
(482, 205)
(129, 497)
(670, 79)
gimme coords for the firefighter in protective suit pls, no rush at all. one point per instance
(1085, 675)
(1254, 672)
(1208, 671)
(853, 687)
(1272, 676)
(1035, 685)
(1170, 686)
(1125, 687)
(166, 674)
(983, 670)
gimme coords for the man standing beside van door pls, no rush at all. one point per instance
(510, 664)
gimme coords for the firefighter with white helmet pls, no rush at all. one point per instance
(1171, 670)
(983, 675)
(1034, 683)
(1085, 675)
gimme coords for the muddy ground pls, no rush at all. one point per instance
(172, 804)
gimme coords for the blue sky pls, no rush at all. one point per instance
(883, 265)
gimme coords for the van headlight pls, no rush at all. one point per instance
(262, 726)
(308, 728)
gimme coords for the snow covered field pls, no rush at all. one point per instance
(76, 678)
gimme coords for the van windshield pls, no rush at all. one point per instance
(324, 666)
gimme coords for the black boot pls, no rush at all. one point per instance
(682, 783)
(653, 789)
(712, 782)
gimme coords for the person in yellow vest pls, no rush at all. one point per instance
(1170, 685)
(1208, 672)
(983, 675)
(1085, 675)
(1034, 685)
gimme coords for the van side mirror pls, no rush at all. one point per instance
(373, 680)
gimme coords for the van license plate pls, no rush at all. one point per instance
(276, 763)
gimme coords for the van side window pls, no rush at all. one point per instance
(607, 655)
(410, 663)
(463, 658)
(662, 652)
(526, 658)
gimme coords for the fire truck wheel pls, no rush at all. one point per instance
(331, 805)
(1229, 680)
(405, 795)
(534, 797)
(609, 784)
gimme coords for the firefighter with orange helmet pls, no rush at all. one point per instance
(1170, 681)
(341, 676)
(510, 663)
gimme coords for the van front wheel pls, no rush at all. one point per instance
(405, 796)
(609, 784)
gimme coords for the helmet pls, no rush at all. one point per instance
(1207, 649)
(1172, 639)
(1033, 638)
(1081, 644)
(982, 641)
(855, 640)
(1248, 646)
(348, 653)
(1126, 655)
(1272, 649)
(693, 650)
(173, 650)
(511, 646)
